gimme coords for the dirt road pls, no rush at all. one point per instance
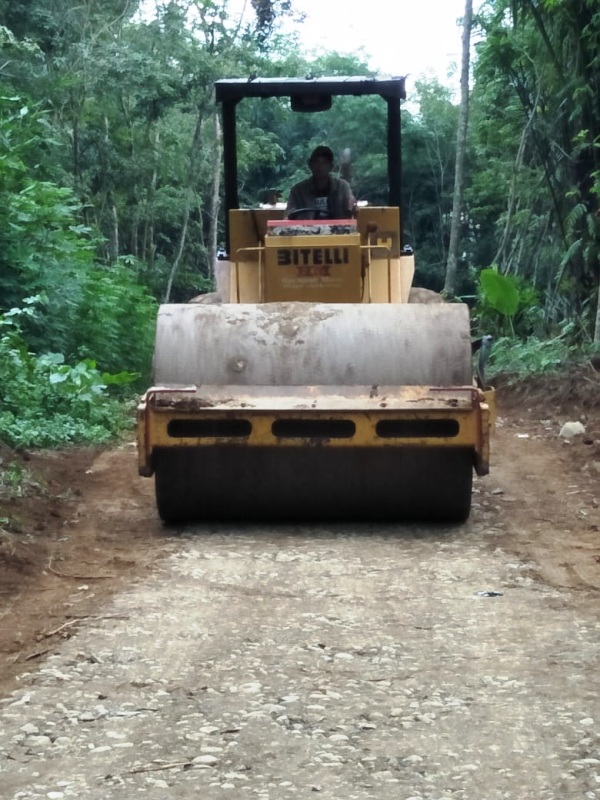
(273, 662)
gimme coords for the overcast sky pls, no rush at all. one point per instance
(399, 36)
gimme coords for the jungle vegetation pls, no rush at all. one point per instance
(110, 181)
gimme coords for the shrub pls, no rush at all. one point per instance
(48, 403)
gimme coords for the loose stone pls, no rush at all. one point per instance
(38, 741)
(30, 729)
(206, 760)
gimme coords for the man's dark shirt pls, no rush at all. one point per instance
(336, 203)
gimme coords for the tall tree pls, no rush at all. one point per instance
(537, 94)
(461, 154)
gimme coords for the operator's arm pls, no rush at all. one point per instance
(342, 202)
(348, 199)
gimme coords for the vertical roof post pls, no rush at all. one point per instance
(394, 148)
(230, 162)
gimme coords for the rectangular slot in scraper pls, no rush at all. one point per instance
(417, 428)
(208, 428)
(313, 428)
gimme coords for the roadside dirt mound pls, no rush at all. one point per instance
(543, 403)
(75, 526)
(38, 492)
(575, 389)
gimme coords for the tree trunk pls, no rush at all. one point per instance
(597, 326)
(113, 239)
(148, 247)
(181, 245)
(135, 229)
(79, 185)
(109, 198)
(193, 169)
(438, 178)
(214, 201)
(461, 151)
(76, 147)
(513, 194)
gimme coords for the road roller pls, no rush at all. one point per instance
(313, 390)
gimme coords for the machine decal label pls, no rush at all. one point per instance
(312, 260)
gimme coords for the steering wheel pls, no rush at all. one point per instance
(319, 213)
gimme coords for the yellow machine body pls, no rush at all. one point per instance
(362, 265)
(314, 389)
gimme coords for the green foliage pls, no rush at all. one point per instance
(9, 42)
(48, 403)
(83, 310)
(44, 251)
(533, 356)
(536, 121)
(43, 246)
(428, 144)
(114, 321)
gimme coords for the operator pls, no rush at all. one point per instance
(321, 195)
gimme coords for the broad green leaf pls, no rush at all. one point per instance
(58, 377)
(500, 292)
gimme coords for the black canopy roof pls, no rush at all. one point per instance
(239, 88)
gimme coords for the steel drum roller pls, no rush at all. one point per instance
(296, 344)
